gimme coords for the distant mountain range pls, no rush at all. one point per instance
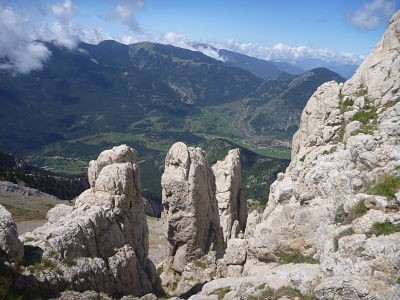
(149, 96)
(267, 68)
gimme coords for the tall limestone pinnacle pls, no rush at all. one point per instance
(231, 202)
(205, 208)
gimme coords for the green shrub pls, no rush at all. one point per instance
(346, 232)
(159, 270)
(390, 104)
(386, 185)
(69, 261)
(201, 264)
(346, 104)
(222, 292)
(296, 258)
(365, 129)
(340, 214)
(283, 292)
(384, 228)
(364, 116)
(41, 266)
(358, 210)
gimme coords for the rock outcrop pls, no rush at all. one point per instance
(193, 228)
(101, 243)
(232, 205)
(331, 228)
(348, 144)
(11, 248)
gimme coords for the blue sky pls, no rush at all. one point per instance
(337, 30)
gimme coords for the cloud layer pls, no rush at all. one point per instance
(18, 50)
(373, 14)
(21, 52)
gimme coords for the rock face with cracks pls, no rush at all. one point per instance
(325, 205)
(191, 207)
(101, 243)
(231, 202)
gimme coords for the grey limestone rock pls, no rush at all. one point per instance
(193, 227)
(9, 242)
(101, 243)
(336, 154)
(231, 202)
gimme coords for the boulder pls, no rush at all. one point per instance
(11, 247)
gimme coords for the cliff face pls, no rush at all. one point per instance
(332, 222)
(342, 180)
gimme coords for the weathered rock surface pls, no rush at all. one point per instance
(348, 137)
(10, 246)
(193, 227)
(7, 186)
(232, 205)
(101, 243)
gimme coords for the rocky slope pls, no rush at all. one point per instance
(331, 228)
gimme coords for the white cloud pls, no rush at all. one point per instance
(94, 35)
(64, 34)
(65, 10)
(124, 12)
(17, 47)
(283, 52)
(373, 14)
(277, 52)
(62, 30)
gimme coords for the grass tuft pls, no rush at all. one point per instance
(364, 116)
(346, 105)
(386, 185)
(296, 258)
(69, 261)
(384, 228)
(222, 292)
(159, 270)
(283, 292)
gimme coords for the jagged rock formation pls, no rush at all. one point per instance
(11, 249)
(232, 205)
(192, 211)
(101, 243)
(336, 208)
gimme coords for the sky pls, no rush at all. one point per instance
(340, 31)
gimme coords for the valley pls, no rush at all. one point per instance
(148, 96)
